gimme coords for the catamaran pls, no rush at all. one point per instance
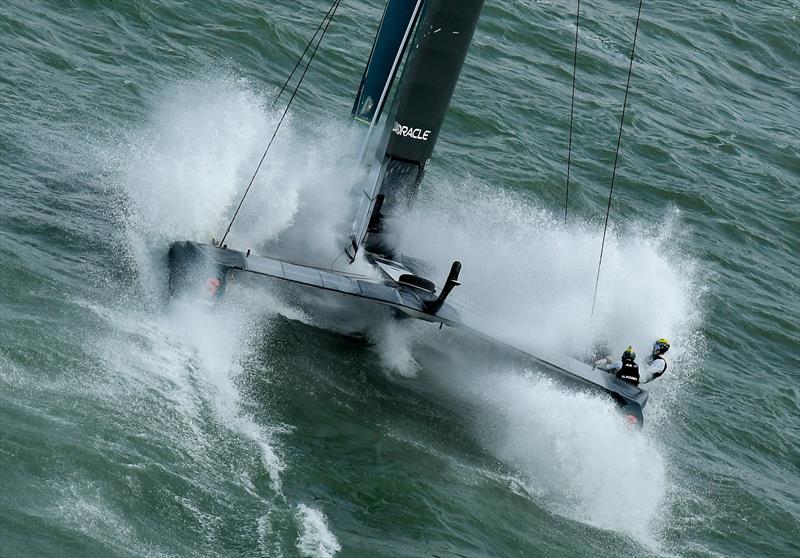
(433, 36)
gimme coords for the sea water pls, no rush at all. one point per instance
(132, 426)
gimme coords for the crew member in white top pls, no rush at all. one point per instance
(656, 364)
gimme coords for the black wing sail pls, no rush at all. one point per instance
(394, 34)
(442, 39)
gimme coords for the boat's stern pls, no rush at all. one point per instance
(198, 270)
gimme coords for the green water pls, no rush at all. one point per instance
(131, 427)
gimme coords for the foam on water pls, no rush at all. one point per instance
(394, 341)
(570, 449)
(315, 539)
(86, 510)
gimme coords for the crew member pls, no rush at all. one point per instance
(656, 363)
(625, 369)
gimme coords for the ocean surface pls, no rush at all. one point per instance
(135, 426)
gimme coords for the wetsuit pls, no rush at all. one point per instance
(629, 371)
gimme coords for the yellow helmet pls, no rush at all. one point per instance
(629, 354)
(660, 347)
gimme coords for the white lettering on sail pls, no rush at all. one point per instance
(409, 132)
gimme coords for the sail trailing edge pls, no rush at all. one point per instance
(441, 42)
(393, 36)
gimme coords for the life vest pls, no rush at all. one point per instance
(629, 372)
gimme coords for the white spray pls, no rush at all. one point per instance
(530, 281)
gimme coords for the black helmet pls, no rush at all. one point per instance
(629, 355)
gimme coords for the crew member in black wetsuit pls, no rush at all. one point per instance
(625, 369)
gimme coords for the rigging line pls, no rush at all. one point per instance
(336, 259)
(278, 127)
(616, 157)
(572, 107)
(299, 60)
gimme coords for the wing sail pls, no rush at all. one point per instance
(440, 46)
